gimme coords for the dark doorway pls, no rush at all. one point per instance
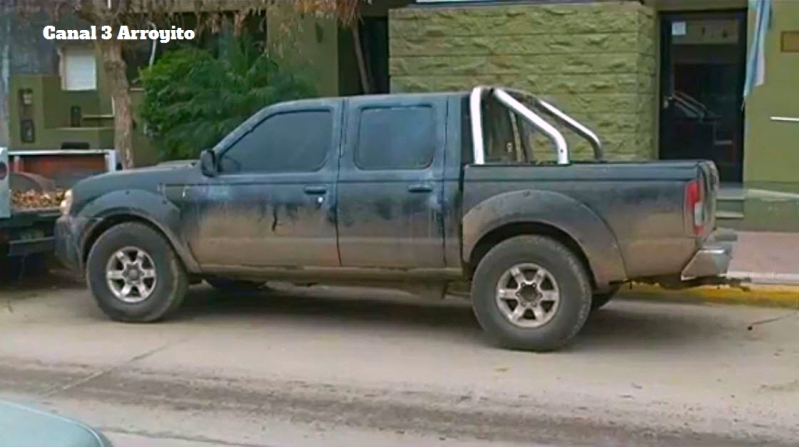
(703, 65)
(374, 39)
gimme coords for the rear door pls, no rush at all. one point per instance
(271, 205)
(391, 183)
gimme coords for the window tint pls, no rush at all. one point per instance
(287, 142)
(396, 138)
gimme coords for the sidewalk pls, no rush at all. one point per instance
(766, 258)
(765, 263)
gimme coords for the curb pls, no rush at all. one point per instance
(751, 294)
(777, 279)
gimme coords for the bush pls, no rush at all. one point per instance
(193, 98)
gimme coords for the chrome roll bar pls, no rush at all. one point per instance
(5, 184)
(505, 97)
(476, 112)
(561, 146)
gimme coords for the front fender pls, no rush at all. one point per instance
(142, 204)
(587, 229)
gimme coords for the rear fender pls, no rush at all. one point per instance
(143, 205)
(575, 219)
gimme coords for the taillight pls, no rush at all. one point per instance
(695, 206)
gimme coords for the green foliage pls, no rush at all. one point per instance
(193, 98)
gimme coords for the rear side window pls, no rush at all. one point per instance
(396, 138)
(286, 142)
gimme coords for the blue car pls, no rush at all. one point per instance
(22, 426)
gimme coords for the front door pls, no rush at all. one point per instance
(390, 183)
(703, 66)
(271, 205)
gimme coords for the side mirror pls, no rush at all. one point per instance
(208, 163)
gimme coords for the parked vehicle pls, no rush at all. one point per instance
(31, 186)
(22, 426)
(415, 191)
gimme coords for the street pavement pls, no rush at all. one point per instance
(355, 367)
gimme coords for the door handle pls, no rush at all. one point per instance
(315, 190)
(420, 188)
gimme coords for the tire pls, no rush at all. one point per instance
(234, 285)
(563, 273)
(170, 279)
(599, 300)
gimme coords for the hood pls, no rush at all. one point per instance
(148, 178)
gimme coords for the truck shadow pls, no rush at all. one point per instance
(347, 306)
(35, 275)
(622, 325)
(641, 325)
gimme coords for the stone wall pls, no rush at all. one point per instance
(596, 61)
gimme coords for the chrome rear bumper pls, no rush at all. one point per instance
(712, 259)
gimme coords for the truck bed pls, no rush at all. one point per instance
(642, 204)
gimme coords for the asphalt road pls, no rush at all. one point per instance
(324, 367)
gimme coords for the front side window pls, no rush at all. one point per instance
(286, 142)
(396, 138)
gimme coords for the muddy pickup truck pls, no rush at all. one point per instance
(420, 192)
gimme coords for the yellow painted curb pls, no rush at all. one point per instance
(750, 294)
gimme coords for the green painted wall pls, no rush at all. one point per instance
(309, 43)
(771, 155)
(51, 116)
(594, 60)
(51, 108)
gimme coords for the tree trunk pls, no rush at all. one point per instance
(5, 72)
(115, 70)
(363, 74)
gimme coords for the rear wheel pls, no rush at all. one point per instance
(135, 275)
(531, 293)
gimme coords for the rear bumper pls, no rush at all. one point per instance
(27, 233)
(29, 247)
(712, 259)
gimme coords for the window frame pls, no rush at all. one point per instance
(247, 129)
(357, 145)
(76, 53)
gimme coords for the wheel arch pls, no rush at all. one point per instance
(545, 213)
(507, 231)
(142, 207)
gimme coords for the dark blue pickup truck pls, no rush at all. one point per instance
(421, 192)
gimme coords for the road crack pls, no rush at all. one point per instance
(103, 372)
(176, 437)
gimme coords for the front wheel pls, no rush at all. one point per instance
(531, 293)
(135, 275)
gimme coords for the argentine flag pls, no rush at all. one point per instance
(756, 59)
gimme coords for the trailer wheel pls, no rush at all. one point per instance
(531, 293)
(135, 275)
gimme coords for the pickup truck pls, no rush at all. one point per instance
(28, 231)
(420, 192)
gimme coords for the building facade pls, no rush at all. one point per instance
(656, 79)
